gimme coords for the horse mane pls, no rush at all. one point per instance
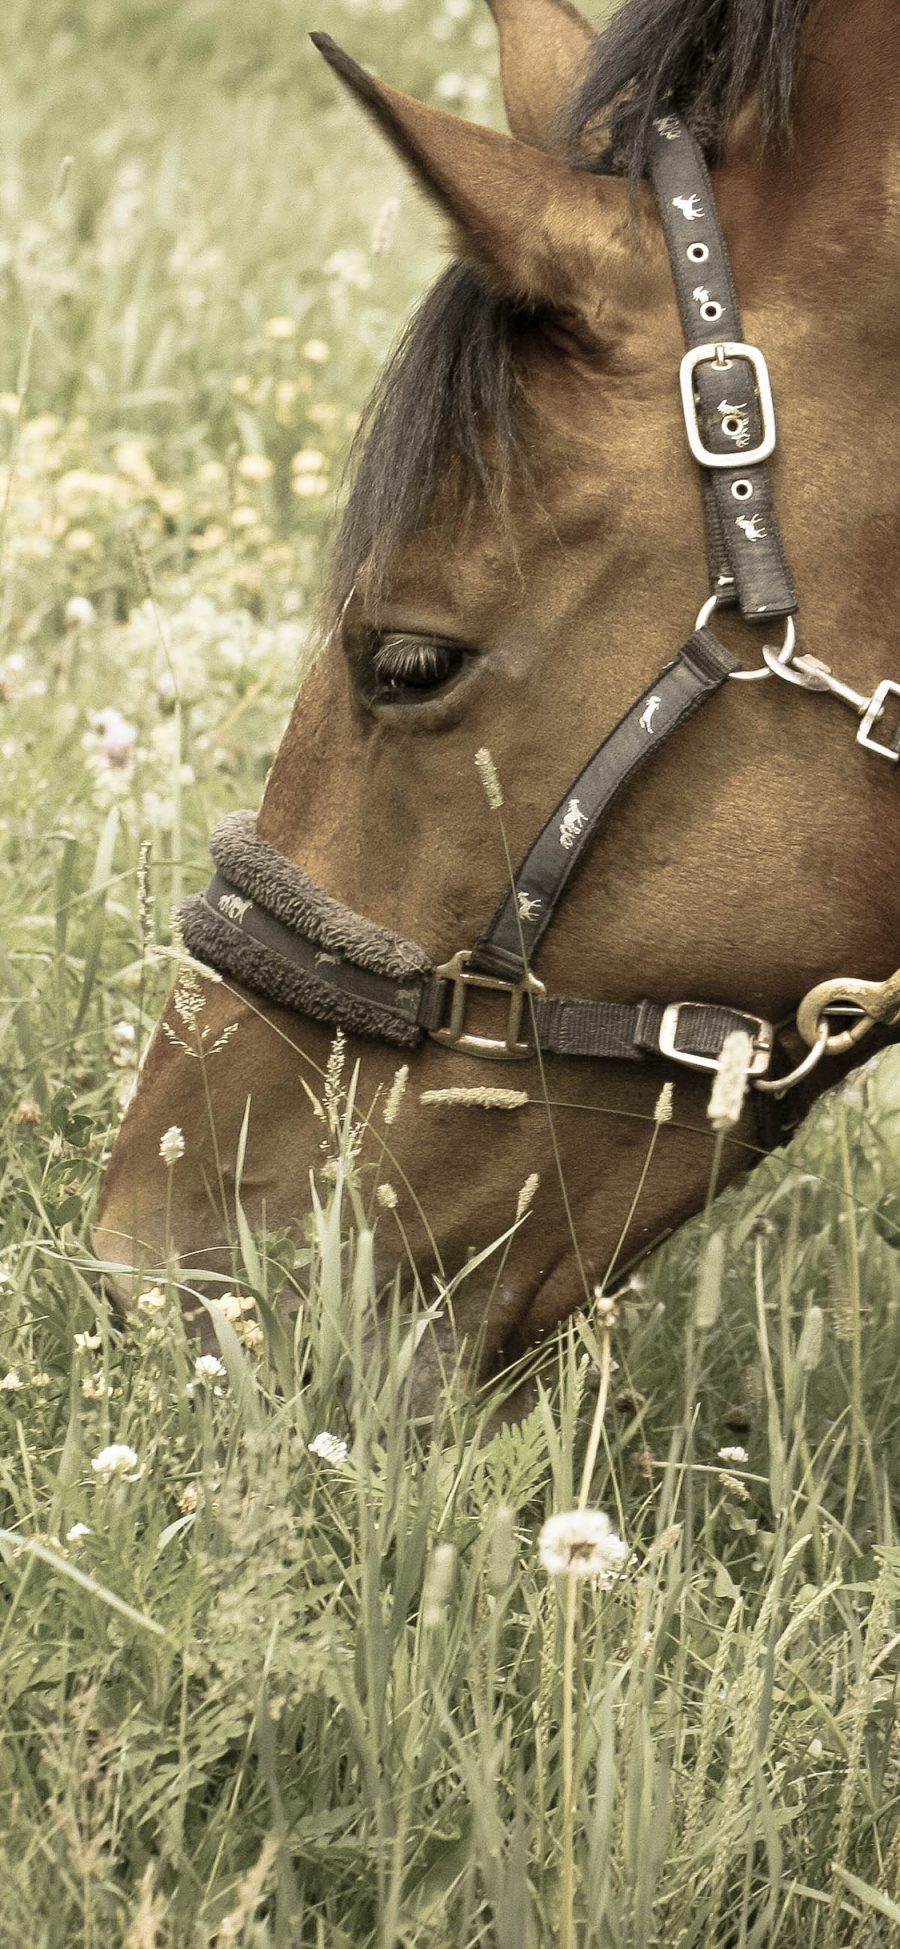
(702, 58)
(448, 406)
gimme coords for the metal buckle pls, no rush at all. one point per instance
(874, 712)
(763, 1040)
(455, 1034)
(720, 355)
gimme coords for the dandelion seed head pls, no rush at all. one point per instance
(582, 1543)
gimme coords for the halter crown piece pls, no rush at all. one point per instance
(264, 922)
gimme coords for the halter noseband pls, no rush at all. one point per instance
(267, 924)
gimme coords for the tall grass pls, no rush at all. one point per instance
(255, 1690)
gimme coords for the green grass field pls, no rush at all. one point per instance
(251, 1693)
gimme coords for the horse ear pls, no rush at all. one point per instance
(543, 48)
(537, 226)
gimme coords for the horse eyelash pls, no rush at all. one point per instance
(400, 657)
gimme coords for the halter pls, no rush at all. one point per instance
(264, 922)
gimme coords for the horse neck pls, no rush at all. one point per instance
(845, 149)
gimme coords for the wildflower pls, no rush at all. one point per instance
(80, 541)
(582, 1543)
(171, 1145)
(280, 328)
(116, 1461)
(79, 611)
(188, 1499)
(77, 1531)
(316, 351)
(527, 1194)
(208, 1367)
(663, 1111)
(118, 737)
(487, 772)
(737, 1456)
(730, 1087)
(94, 1387)
(11, 1382)
(387, 1197)
(152, 1301)
(606, 1308)
(42, 1379)
(309, 487)
(329, 1448)
(255, 467)
(28, 1111)
(478, 1099)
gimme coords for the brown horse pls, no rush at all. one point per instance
(510, 575)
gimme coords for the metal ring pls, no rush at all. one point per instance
(782, 656)
(779, 1085)
(781, 666)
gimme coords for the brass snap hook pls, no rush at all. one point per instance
(877, 1001)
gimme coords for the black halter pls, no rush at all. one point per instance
(266, 923)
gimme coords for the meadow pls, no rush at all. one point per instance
(274, 1670)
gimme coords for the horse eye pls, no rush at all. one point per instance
(408, 664)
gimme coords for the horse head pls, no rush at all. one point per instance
(523, 549)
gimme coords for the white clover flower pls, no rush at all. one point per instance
(117, 737)
(118, 1461)
(171, 1145)
(280, 328)
(208, 1367)
(582, 1543)
(152, 1301)
(79, 611)
(329, 1448)
(88, 1342)
(77, 1531)
(737, 1456)
(11, 1382)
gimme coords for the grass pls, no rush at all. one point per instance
(265, 1697)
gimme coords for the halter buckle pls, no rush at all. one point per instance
(762, 1037)
(721, 356)
(454, 1034)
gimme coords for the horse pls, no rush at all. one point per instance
(522, 549)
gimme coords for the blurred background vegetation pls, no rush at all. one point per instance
(227, 1716)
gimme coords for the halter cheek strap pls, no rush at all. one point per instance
(268, 925)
